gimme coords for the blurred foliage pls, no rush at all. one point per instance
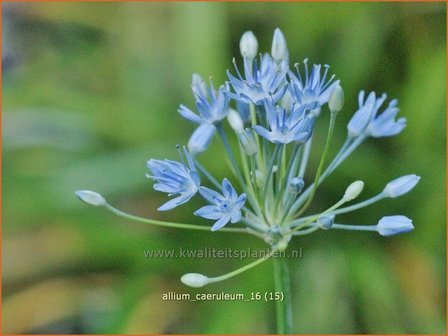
(90, 92)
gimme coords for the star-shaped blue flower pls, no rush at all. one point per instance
(212, 107)
(367, 120)
(285, 128)
(174, 178)
(312, 90)
(267, 82)
(225, 208)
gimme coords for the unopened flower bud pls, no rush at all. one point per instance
(393, 225)
(279, 49)
(259, 178)
(401, 185)
(248, 142)
(353, 190)
(336, 100)
(325, 222)
(248, 45)
(235, 120)
(296, 185)
(91, 197)
(194, 280)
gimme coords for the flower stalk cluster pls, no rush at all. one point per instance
(272, 111)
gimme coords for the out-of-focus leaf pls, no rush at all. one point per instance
(45, 128)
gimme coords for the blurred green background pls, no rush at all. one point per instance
(90, 92)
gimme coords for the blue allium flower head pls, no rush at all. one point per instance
(259, 84)
(225, 208)
(212, 107)
(273, 120)
(385, 125)
(312, 90)
(175, 178)
(393, 225)
(285, 128)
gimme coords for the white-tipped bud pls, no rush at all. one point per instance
(279, 49)
(353, 190)
(248, 45)
(91, 197)
(325, 222)
(235, 120)
(194, 280)
(248, 142)
(336, 101)
(401, 185)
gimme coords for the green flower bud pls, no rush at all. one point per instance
(353, 190)
(248, 142)
(336, 101)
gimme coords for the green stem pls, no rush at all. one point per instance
(234, 166)
(305, 157)
(312, 219)
(355, 227)
(167, 224)
(242, 269)
(350, 208)
(348, 147)
(283, 308)
(360, 205)
(321, 165)
(207, 174)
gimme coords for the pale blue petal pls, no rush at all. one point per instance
(175, 202)
(188, 114)
(201, 137)
(228, 190)
(235, 217)
(221, 222)
(209, 212)
(262, 132)
(211, 195)
(360, 120)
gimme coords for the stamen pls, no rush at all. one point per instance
(180, 154)
(305, 63)
(236, 69)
